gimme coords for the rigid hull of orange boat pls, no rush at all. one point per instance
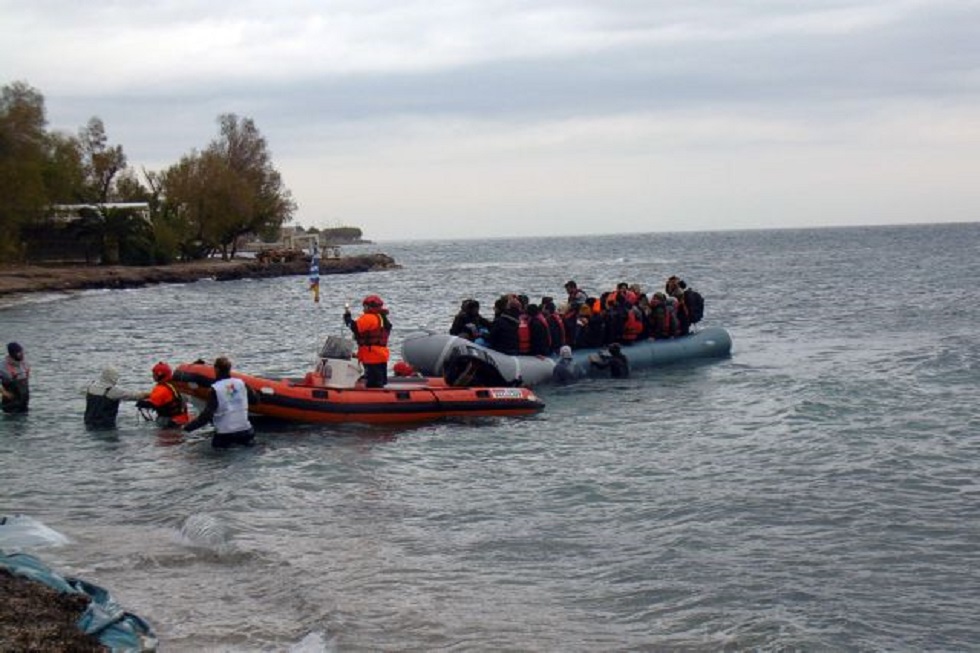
(400, 402)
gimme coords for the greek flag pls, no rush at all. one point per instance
(315, 272)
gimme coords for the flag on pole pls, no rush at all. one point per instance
(315, 272)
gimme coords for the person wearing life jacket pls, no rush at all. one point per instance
(523, 334)
(594, 332)
(683, 317)
(102, 399)
(643, 312)
(468, 323)
(539, 332)
(673, 316)
(632, 325)
(227, 409)
(371, 331)
(612, 359)
(15, 373)
(504, 331)
(693, 303)
(663, 322)
(169, 404)
(576, 296)
(566, 370)
(626, 293)
(556, 325)
(615, 306)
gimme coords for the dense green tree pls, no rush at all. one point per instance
(255, 198)
(23, 149)
(127, 237)
(168, 225)
(229, 190)
(199, 206)
(64, 171)
(129, 188)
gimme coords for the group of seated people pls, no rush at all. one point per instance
(624, 316)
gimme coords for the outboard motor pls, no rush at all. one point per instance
(337, 366)
(468, 366)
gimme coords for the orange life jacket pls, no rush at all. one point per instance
(633, 326)
(168, 402)
(557, 330)
(523, 335)
(372, 339)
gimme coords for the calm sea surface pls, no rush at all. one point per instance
(817, 491)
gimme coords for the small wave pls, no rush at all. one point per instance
(21, 531)
(207, 532)
(313, 643)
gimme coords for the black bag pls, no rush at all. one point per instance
(695, 305)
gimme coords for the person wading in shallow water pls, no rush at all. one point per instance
(227, 409)
(164, 398)
(15, 390)
(615, 361)
(102, 399)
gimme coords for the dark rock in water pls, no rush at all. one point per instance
(35, 617)
(26, 279)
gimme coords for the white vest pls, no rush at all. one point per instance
(231, 415)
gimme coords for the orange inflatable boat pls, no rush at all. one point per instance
(317, 398)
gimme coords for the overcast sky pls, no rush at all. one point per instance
(455, 119)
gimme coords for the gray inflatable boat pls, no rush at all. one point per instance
(429, 353)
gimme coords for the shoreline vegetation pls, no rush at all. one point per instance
(25, 279)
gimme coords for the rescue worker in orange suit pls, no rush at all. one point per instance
(170, 406)
(371, 331)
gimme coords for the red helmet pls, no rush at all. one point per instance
(162, 372)
(403, 369)
(373, 301)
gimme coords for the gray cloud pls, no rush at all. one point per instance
(425, 84)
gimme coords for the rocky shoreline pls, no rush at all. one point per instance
(34, 278)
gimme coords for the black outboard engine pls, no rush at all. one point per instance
(337, 366)
(337, 347)
(468, 366)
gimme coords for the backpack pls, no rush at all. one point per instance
(695, 305)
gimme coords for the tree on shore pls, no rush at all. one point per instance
(101, 161)
(229, 190)
(23, 161)
(199, 206)
(39, 170)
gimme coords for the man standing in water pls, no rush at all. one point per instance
(102, 399)
(15, 391)
(227, 409)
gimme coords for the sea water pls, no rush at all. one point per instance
(816, 491)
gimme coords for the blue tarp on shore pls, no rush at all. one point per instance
(115, 628)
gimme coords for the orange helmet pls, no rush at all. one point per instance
(162, 372)
(373, 301)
